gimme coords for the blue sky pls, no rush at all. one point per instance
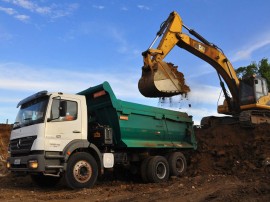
(71, 45)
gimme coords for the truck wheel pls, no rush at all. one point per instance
(144, 166)
(158, 169)
(45, 181)
(82, 171)
(177, 164)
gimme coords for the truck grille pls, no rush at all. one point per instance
(21, 146)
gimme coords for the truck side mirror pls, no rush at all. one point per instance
(63, 108)
(55, 111)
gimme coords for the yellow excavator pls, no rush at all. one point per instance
(248, 101)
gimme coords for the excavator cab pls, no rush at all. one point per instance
(252, 89)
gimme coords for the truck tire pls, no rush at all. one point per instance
(45, 181)
(158, 169)
(144, 166)
(177, 164)
(82, 171)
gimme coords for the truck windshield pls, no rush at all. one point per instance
(32, 112)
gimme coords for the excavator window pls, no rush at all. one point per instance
(260, 88)
(247, 92)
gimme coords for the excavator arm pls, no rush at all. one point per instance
(161, 79)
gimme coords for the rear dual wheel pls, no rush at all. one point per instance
(144, 166)
(159, 168)
(177, 163)
(155, 169)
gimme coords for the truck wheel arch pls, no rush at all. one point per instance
(83, 145)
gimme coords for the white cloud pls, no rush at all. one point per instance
(247, 51)
(124, 8)
(25, 4)
(18, 77)
(23, 18)
(204, 94)
(63, 10)
(15, 14)
(9, 11)
(29, 5)
(98, 7)
(143, 7)
(43, 10)
(200, 71)
(53, 11)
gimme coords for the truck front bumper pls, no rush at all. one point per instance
(28, 164)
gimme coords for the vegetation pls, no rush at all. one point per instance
(262, 68)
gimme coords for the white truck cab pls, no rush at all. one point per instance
(48, 128)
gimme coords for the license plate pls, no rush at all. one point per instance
(17, 161)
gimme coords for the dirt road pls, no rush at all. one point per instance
(229, 165)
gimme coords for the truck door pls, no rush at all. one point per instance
(64, 124)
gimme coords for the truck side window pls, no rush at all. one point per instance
(70, 112)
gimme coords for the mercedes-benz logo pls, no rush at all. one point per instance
(19, 144)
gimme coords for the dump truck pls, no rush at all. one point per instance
(77, 137)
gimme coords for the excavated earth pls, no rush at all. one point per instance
(230, 164)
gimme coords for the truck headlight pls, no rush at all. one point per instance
(33, 164)
(8, 165)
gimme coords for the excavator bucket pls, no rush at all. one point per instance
(163, 80)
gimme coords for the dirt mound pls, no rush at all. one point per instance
(232, 150)
(230, 164)
(4, 140)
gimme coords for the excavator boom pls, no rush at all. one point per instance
(248, 99)
(162, 79)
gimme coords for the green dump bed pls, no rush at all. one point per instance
(136, 125)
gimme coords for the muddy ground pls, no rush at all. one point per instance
(230, 164)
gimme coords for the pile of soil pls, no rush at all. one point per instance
(230, 164)
(232, 150)
(4, 139)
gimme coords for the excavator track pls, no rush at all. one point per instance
(249, 118)
(246, 119)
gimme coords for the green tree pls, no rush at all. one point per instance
(262, 69)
